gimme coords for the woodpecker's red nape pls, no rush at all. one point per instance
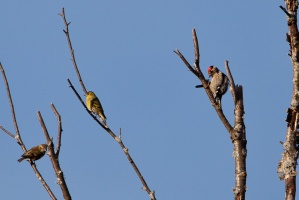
(210, 69)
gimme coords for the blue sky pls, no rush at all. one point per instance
(124, 51)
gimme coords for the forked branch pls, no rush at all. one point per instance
(54, 156)
(18, 136)
(118, 139)
(197, 72)
(237, 134)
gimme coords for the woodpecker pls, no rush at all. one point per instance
(218, 83)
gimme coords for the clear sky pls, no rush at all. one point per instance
(124, 50)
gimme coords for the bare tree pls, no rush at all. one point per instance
(287, 165)
(237, 132)
(106, 128)
(53, 155)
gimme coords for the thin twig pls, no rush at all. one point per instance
(118, 139)
(231, 81)
(41, 179)
(7, 132)
(59, 129)
(54, 157)
(14, 119)
(196, 51)
(185, 61)
(19, 140)
(67, 34)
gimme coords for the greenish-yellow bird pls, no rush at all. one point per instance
(94, 105)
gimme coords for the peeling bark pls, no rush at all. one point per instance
(287, 165)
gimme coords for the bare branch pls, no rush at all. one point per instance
(67, 34)
(44, 128)
(196, 51)
(7, 132)
(18, 137)
(287, 166)
(185, 61)
(240, 143)
(39, 177)
(237, 134)
(14, 119)
(119, 141)
(59, 129)
(145, 187)
(231, 81)
(285, 11)
(54, 158)
(82, 102)
(205, 85)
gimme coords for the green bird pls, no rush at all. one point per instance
(94, 105)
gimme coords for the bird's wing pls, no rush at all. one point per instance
(28, 154)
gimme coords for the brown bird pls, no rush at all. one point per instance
(218, 84)
(35, 153)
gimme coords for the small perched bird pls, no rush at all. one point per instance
(94, 105)
(218, 84)
(35, 153)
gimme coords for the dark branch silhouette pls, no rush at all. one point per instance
(237, 133)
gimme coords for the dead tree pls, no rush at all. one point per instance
(287, 165)
(237, 132)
